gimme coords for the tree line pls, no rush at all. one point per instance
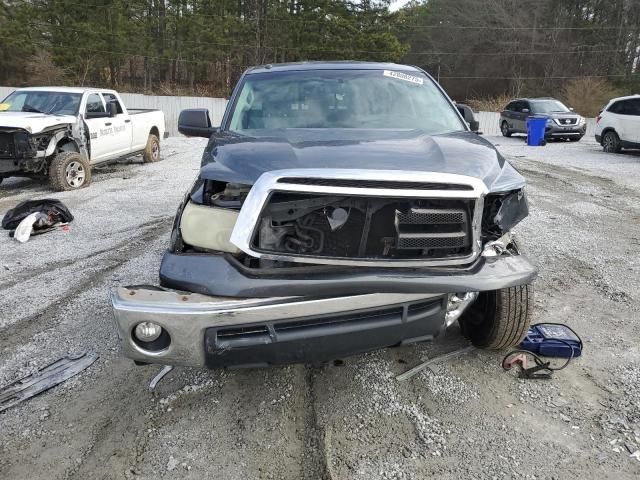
(476, 48)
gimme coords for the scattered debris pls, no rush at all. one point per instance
(159, 376)
(546, 339)
(417, 369)
(35, 217)
(44, 379)
(552, 340)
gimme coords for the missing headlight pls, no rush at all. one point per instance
(503, 211)
(226, 195)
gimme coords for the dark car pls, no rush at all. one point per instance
(562, 122)
(340, 207)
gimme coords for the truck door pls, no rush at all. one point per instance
(121, 125)
(96, 119)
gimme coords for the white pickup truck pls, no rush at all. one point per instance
(61, 132)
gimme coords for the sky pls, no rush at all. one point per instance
(397, 5)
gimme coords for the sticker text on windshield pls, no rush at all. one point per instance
(403, 76)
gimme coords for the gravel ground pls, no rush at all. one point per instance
(350, 420)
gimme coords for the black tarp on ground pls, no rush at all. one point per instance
(54, 209)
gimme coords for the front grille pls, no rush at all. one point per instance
(365, 228)
(432, 229)
(568, 121)
(419, 241)
(393, 185)
(7, 148)
(422, 217)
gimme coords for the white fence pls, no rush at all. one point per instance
(171, 106)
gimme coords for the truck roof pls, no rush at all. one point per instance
(335, 65)
(65, 89)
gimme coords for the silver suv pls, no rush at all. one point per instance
(562, 122)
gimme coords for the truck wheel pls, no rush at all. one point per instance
(69, 171)
(611, 142)
(499, 318)
(152, 150)
(504, 128)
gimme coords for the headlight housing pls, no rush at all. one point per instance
(503, 211)
(208, 227)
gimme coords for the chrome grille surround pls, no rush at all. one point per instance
(275, 181)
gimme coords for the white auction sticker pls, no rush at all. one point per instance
(403, 76)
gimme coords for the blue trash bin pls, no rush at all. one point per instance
(535, 131)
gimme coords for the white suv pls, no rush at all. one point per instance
(618, 124)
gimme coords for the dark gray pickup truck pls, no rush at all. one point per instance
(340, 207)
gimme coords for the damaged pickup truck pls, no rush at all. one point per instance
(61, 132)
(340, 208)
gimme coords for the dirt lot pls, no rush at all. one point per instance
(466, 419)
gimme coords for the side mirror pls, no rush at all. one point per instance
(195, 122)
(469, 117)
(112, 109)
(525, 110)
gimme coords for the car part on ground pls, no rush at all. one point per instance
(432, 361)
(44, 379)
(319, 229)
(164, 371)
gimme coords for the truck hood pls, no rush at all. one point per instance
(33, 122)
(237, 158)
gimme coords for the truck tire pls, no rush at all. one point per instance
(69, 171)
(499, 318)
(611, 142)
(504, 128)
(152, 150)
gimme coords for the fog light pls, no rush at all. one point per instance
(457, 304)
(147, 331)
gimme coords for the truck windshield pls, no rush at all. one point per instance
(370, 99)
(548, 106)
(55, 103)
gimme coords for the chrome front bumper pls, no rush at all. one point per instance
(188, 316)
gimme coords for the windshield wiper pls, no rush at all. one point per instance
(29, 108)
